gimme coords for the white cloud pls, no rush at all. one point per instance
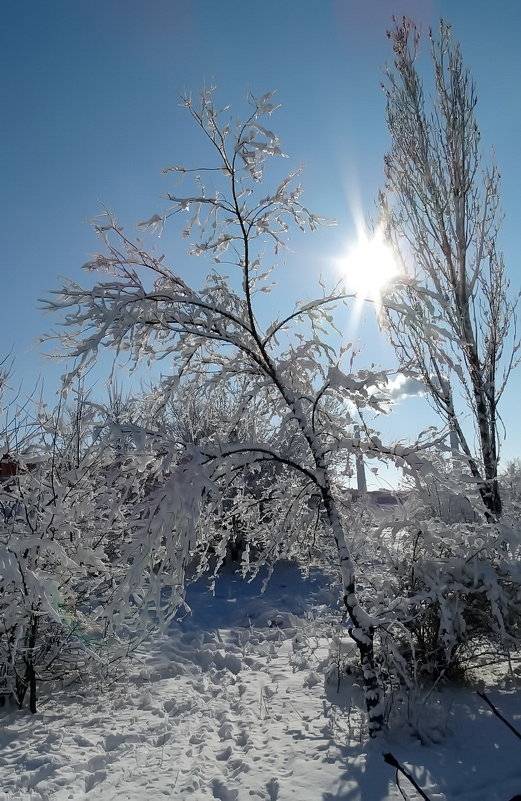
(404, 387)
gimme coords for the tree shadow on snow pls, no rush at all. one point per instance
(366, 777)
(478, 760)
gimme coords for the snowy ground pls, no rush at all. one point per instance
(232, 705)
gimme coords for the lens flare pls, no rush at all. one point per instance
(368, 266)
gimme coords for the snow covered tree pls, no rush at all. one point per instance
(451, 318)
(286, 369)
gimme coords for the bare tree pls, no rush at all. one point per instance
(451, 320)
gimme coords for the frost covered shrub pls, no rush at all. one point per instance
(456, 587)
(510, 485)
(90, 537)
(42, 580)
(451, 505)
(61, 526)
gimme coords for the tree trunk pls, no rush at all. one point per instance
(362, 630)
(28, 682)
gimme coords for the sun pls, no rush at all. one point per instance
(368, 266)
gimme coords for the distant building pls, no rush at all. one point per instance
(379, 497)
(10, 467)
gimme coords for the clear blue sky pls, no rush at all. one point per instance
(90, 115)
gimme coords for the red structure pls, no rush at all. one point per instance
(8, 467)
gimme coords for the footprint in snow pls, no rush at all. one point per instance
(82, 741)
(273, 788)
(225, 754)
(242, 739)
(93, 779)
(113, 741)
(222, 792)
(97, 763)
(225, 731)
(160, 741)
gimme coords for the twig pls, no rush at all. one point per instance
(498, 714)
(391, 760)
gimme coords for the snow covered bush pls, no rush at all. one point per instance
(456, 590)
(45, 548)
(74, 574)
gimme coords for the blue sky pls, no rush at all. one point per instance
(90, 114)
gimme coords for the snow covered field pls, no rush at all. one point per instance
(233, 705)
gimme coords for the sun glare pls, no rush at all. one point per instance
(368, 266)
